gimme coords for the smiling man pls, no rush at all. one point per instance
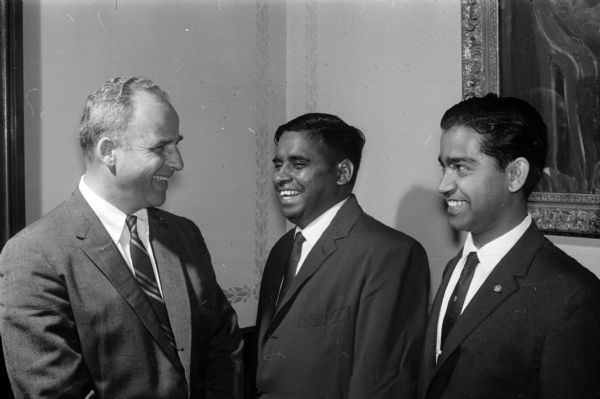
(107, 296)
(343, 299)
(514, 317)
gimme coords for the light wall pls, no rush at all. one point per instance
(235, 70)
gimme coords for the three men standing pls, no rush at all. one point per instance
(107, 296)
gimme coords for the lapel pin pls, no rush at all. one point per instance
(497, 288)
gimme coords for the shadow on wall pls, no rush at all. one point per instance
(422, 214)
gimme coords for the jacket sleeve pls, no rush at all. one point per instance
(39, 338)
(224, 369)
(570, 363)
(391, 324)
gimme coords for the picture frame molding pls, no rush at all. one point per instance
(12, 192)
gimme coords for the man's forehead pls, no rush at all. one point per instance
(461, 138)
(304, 137)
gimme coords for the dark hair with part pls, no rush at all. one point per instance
(509, 127)
(109, 110)
(342, 140)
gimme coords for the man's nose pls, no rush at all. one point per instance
(174, 159)
(281, 176)
(447, 183)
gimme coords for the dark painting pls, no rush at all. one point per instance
(554, 63)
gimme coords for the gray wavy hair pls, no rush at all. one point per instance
(109, 110)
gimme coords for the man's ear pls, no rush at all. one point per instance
(105, 152)
(345, 171)
(516, 174)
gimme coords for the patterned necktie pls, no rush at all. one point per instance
(292, 265)
(457, 299)
(144, 275)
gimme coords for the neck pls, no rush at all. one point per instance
(507, 224)
(98, 184)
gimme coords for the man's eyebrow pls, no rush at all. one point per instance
(453, 160)
(293, 158)
(165, 141)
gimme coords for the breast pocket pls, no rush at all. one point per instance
(327, 321)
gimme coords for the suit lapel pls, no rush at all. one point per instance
(98, 246)
(498, 286)
(173, 285)
(338, 229)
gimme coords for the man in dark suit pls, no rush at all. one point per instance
(514, 317)
(107, 296)
(346, 319)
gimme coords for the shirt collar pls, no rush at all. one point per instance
(491, 253)
(111, 217)
(315, 229)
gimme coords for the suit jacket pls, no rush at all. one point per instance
(74, 322)
(352, 322)
(531, 331)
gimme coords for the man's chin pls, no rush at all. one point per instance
(458, 224)
(158, 201)
(290, 214)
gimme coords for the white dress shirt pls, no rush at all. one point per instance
(113, 220)
(489, 256)
(315, 230)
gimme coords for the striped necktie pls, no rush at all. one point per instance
(144, 275)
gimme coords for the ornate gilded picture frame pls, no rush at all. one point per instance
(558, 71)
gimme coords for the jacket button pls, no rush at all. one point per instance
(259, 391)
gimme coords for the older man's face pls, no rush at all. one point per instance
(150, 155)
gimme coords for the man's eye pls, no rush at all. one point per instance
(277, 165)
(461, 168)
(299, 165)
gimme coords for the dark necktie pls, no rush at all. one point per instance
(144, 275)
(290, 271)
(457, 299)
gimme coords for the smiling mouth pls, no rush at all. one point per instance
(161, 180)
(288, 194)
(455, 204)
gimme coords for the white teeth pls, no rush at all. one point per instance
(288, 193)
(455, 203)
(160, 178)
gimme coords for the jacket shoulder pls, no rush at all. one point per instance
(562, 268)
(56, 223)
(172, 219)
(368, 226)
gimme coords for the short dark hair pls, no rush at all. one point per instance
(109, 110)
(509, 128)
(343, 141)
